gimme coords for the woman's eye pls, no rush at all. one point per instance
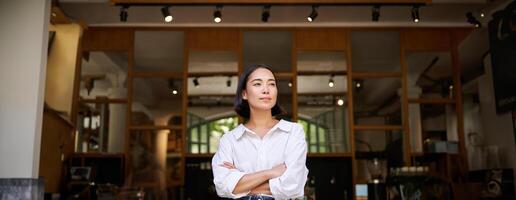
(272, 84)
(256, 84)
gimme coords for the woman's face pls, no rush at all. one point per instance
(260, 91)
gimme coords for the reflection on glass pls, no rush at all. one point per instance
(103, 75)
(375, 51)
(438, 123)
(158, 51)
(430, 75)
(101, 127)
(322, 112)
(386, 147)
(377, 101)
(273, 48)
(155, 102)
(285, 97)
(204, 134)
(148, 157)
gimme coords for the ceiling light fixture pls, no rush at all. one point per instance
(313, 14)
(376, 13)
(172, 86)
(166, 14)
(331, 83)
(266, 13)
(340, 102)
(217, 15)
(123, 13)
(228, 82)
(196, 82)
(415, 14)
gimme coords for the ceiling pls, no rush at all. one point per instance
(159, 51)
(440, 13)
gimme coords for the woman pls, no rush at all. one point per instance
(265, 157)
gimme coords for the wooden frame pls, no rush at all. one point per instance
(196, 39)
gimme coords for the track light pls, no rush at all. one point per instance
(228, 82)
(290, 84)
(172, 86)
(196, 82)
(217, 15)
(376, 13)
(415, 14)
(313, 14)
(472, 20)
(331, 83)
(166, 14)
(123, 13)
(359, 84)
(340, 102)
(266, 13)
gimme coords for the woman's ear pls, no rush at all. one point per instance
(244, 94)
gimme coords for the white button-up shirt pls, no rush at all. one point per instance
(284, 143)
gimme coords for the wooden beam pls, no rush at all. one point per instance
(351, 114)
(377, 127)
(157, 74)
(376, 75)
(208, 74)
(153, 127)
(314, 73)
(330, 155)
(261, 2)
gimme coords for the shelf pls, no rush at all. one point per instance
(152, 127)
(431, 100)
(329, 155)
(199, 155)
(369, 155)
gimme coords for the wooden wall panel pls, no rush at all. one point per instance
(321, 39)
(108, 39)
(426, 39)
(213, 39)
(56, 141)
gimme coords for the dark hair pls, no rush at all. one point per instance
(241, 105)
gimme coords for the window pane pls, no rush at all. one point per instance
(204, 148)
(194, 148)
(194, 135)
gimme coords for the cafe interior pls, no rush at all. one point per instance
(399, 99)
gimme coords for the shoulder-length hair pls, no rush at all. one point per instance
(241, 105)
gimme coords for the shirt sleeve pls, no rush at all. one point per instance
(291, 184)
(225, 179)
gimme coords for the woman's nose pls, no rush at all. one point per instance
(265, 90)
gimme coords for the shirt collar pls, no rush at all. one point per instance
(282, 125)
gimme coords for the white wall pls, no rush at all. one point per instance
(23, 56)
